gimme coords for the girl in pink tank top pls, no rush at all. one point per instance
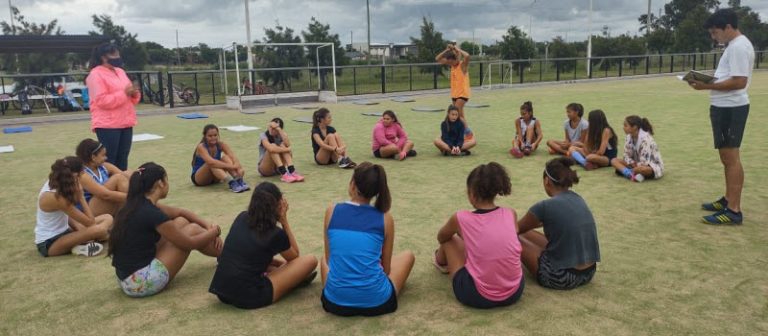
(480, 249)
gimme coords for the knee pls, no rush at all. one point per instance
(408, 256)
(309, 260)
(180, 221)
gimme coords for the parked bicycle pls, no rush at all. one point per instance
(187, 95)
(152, 96)
(29, 96)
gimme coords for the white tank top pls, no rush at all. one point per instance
(49, 224)
(524, 126)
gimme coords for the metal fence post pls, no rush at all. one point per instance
(434, 76)
(354, 81)
(621, 66)
(541, 70)
(410, 77)
(383, 79)
(481, 74)
(694, 61)
(522, 66)
(170, 89)
(647, 64)
(160, 93)
(575, 67)
(141, 86)
(661, 62)
(672, 63)
(557, 67)
(213, 88)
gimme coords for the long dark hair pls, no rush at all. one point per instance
(62, 177)
(447, 115)
(87, 148)
(103, 49)
(487, 181)
(597, 123)
(319, 115)
(371, 181)
(280, 123)
(392, 115)
(560, 173)
(202, 140)
(264, 207)
(642, 123)
(576, 107)
(142, 181)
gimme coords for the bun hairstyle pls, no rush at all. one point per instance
(487, 181)
(319, 115)
(559, 172)
(528, 107)
(264, 207)
(140, 184)
(642, 123)
(87, 148)
(62, 177)
(578, 108)
(371, 181)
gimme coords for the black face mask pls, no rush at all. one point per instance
(116, 62)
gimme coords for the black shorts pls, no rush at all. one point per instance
(330, 160)
(258, 296)
(465, 99)
(44, 246)
(728, 125)
(466, 292)
(611, 154)
(385, 308)
(377, 153)
(563, 279)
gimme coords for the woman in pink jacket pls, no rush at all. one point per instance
(390, 140)
(113, 97)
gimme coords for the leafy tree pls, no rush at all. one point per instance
(679, 29)
(471, 48)
(157, 54)
(750, 25)
(207, 55)
(622, 45)
(33, 62)
(318, 32)
(281, 57)
(690, 35)
(428, 46)
(516, 45)
(561, 49)
(133, 52)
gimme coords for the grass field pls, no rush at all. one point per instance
(662, 271)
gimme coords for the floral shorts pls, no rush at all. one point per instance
(147, 281)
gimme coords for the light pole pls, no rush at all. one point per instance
(368, 14)
(248, 39)
(589, 40)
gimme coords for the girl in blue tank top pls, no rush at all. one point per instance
(214, 161)
(360, 275)
(104, 185)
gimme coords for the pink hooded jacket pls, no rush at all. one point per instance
(110, 106)
(383, 135)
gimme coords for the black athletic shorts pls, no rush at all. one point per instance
(563, 279)
(44, 246)
(465, 99)
(257, 296)
(330, 161)
(377, 153)
(385, 308)
(728, 125)
(466, 292)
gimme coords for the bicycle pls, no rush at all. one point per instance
(27, 97)
(187, 95)
(146, 91)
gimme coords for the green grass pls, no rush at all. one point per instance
(662, 271)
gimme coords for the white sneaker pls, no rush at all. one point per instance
(639, 178)
(88, 249)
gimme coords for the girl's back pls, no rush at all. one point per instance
(356, 277)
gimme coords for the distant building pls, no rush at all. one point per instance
(388, 50)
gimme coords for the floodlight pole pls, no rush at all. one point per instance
(368, 13)
(237, 70)
(589, 40)
(248, 37)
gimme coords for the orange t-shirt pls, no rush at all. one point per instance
(459, 82)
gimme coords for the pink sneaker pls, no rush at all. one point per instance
(516, 152)
(287, 178)
(590, 166)
(297, 177)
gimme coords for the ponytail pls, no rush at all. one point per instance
(62, 178)
(319, 115)
(140, 184)
(371, 181)
(559, 172)
(642, 123)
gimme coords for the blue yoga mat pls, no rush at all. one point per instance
(19, 129)
(192, 116)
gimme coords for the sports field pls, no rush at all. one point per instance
(663, 272)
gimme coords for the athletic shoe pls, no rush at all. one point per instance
(590, 166)
(726, 216)
(401, 156)
(287, 178)
(718, 205)
(516, 152)
(351, 163)
(234, 186)
(308, 280)
(88, 249)
(297, 177)
(344, 162)
(243, 186)
(465, 153)
(442, 268)
(411, 153)
(638, 178)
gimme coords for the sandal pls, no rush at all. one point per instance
(442, 268)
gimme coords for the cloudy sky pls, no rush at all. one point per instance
(219, 22)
